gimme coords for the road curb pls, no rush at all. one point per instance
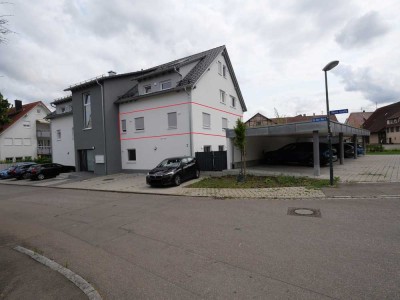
(81, 283)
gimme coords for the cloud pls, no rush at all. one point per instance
(374, 87)
(362, 31)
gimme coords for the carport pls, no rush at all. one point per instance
(269, 138)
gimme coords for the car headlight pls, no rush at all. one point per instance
(169, 173)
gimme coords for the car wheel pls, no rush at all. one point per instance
(197, 174)
(40, 177)
(177, 180)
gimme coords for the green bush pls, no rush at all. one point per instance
(374, 148)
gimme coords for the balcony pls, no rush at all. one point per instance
(43, 134)
(44, 150)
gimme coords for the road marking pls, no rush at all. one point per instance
(81, 283)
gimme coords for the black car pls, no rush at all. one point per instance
(42, 171)
(301, 153)
(348, 150)
(20, 170)
(173, 170)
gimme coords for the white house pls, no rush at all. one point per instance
(27, 132)
(178, 109)
(62, 127)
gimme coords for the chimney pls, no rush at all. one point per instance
(112, 73)
(18, 105)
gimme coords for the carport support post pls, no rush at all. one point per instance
(364, 145)
(341, 147)
(317, 170)
(355, 145)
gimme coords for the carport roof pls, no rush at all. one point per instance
(301, 128)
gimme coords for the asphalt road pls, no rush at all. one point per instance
(144, 246)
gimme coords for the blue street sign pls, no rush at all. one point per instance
(321, 119)
(339, 111)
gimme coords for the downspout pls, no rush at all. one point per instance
(190, 115)
(104, 127)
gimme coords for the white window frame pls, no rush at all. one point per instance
(233, 101)
(222, 96)
(128, 151)
(224, 126)
(221, 147)
(26, 124)
(58, 134)
(123, 125)
(164, 82)
(171, 125)
(207, 147)
(86, 101)
(219, 68)
(224, 71)
(136, 123)
(205, 116)
(9, 159)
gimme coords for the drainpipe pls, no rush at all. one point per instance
(104, 127)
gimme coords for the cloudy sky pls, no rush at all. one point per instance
(278, 48)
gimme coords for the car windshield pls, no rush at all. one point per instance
(170, 162)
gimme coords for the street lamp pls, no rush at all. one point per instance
(327, 68)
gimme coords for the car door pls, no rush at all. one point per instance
(191, 167)
(185, 171)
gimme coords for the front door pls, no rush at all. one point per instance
(86, 160)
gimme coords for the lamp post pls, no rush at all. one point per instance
(327, 68)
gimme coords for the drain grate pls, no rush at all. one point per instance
(304, 212)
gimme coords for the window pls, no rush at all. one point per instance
(131, 154)
(139, 123)
(221, 148)
(8, 141)
(27, 142)
(63, 109)
(9, 159)
(224, 71)
(207, 148)
(397, 128)
(38, 111)
(27, 124)
(19, 158)
(166, 85)
(233, 102)
(224, 123)
(58, 134)
(147, 89)
(123, 125)
(18, 142)
(222, 96)
(87, 112)
(387, 130)
(28, 158)
(172, 120)
(206, 120)
(219, 68)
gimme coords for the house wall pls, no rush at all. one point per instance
(374, 138)
(206, 98)
(63, 149)
(156, 141)
(393, 137)
(23, 139)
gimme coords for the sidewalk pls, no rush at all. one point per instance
(23, 278)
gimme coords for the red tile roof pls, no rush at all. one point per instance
(377, 121)
(357, 119)
(300, 118)
(16, 115)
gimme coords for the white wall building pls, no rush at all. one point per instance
(178, 109)
(19, 138)
(62, 126)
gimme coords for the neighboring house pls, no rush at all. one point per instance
(377, 123)
(259, 120)
(20, 139)
(357, 119)
(300, 118)
(134, 120)
(62, 145)
(393, 129)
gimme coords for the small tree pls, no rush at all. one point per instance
(4, 106)
(240, 142)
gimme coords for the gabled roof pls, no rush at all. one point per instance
(377, 121)
(357, 119)
(62, 100)
(204, 59)
(261, 116)
(16, 115)
(301, 118)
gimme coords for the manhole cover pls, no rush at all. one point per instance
(305, 212)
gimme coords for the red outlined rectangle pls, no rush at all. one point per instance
(169, 135)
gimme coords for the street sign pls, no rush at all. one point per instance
(321, 119)
(339, 111)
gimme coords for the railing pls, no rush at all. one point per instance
(44, 150)
(46, 134)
